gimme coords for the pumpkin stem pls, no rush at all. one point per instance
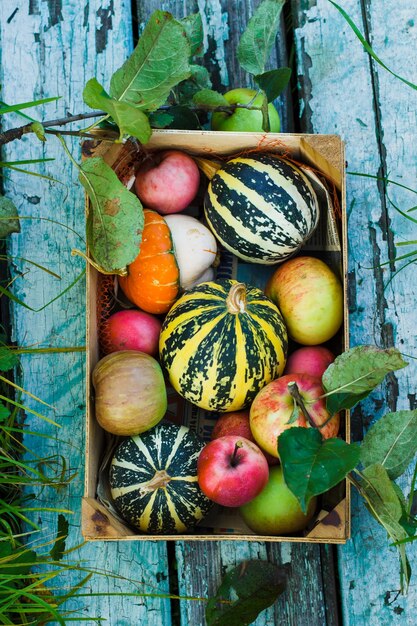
(295, 392)
(208, 166)
(236, 300)
(159, 481)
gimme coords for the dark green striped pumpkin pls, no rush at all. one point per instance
(153, 480)
(262, 208)
(221, 343)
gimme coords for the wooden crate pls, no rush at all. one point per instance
(322, 153)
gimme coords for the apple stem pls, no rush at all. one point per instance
(295, 392)
(233, 460)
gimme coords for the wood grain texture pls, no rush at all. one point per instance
(343, 92)
(52, 48)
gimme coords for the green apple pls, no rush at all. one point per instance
(275, 511)
(245, 120)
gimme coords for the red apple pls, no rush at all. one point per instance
(275, 409)
(312, 360)
(310, 297)
(131, 330)
(168, 182)
(232, 470)
(237, 423)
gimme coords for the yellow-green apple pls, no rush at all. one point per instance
(131, 330)
(310, 298)
(313, 360)
(237, 423)
(291, 400)
(168, 181)
(245, 119)
(276, 511)
(231, 470)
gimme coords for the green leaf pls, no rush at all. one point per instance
(15, 560)
(58, 548)
(209, 99)
(193, 27)
(265, 113)
(182, 118)
(9, 219)
(39, 130)
(8, 359)
(367, 47)
(4, 412)
(392, 442)
(273, 82)
(129, 118)
(160, 119)
(115, 221)
(356, 372)
(158, 63)
(256, 42)
(384, 505)
(25, 105)
(311, 464)
(199, 79)
(245, 591)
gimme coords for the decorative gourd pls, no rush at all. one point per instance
(195, 247)
(261, 207)
(221, 342)
(153, 480)
(152, 282)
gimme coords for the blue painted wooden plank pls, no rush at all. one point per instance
(52, 48)
(372, 111)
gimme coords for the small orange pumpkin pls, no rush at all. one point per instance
(152, 282)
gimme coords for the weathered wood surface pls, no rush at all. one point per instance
(53, 48)
(375, 113)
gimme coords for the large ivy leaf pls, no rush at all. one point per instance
(58, 549)
(115, 220)
(8, 359)
(193, 26)
(273, 82)
(383, 503)
(245, 591)
(392, 442)
(256, 42)
(356, 372)
(311, 464)
(4, 412)
(9, 219)
(158, 63)
(130, 120)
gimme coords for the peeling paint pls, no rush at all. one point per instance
(104, 16)
(216, 32)
(55, 11)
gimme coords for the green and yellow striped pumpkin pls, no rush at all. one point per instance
(221, 343)
(153, 480)
(262, 208)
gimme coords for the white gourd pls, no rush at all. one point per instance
(195, 247)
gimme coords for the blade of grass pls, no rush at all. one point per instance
(9, 382)
(26, 408)
(26, 105)
(368, 47)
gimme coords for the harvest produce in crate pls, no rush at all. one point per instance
(232, 470)
(312, 360)
(131, 330)
(221, 343)
(291, 400)
(242, 119)
(310, 298)
(276, 511)
(153, 480)
(262, 208)
(168, 181)
(152, 282)
(195, 247)
(130, 392)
